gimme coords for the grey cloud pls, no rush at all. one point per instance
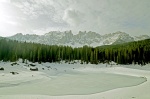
(102, 16)
(73, 17)
(35, 8)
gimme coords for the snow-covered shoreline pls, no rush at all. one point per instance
(48, 71)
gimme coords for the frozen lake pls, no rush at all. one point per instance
(65, 79)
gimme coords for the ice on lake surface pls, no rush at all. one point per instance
(74, 82)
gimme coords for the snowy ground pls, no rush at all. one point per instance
(74, 81)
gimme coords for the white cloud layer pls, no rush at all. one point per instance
(102, 16)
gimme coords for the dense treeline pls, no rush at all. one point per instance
(135, 52)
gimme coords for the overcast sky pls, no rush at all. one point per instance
(101, 16)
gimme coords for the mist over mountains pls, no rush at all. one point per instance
(67, 38)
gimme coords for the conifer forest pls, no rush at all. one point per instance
(137, 52)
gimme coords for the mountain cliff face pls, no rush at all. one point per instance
(78, 40)
(142, 37)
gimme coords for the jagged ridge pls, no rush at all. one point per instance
(78, 40)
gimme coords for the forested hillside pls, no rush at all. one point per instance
(135, 52)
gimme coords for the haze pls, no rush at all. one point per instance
(101, 16)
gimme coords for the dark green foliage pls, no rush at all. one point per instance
(14, 64)
(32, 65)
(1, 68)
(14, 73)
(135, 52)
(34, 69)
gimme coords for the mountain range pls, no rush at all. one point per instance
(67, 38)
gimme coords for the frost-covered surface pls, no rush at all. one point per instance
(73, 81)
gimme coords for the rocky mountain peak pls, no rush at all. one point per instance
(82, 38)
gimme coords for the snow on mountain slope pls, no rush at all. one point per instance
(141, 37)
(82, 38)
